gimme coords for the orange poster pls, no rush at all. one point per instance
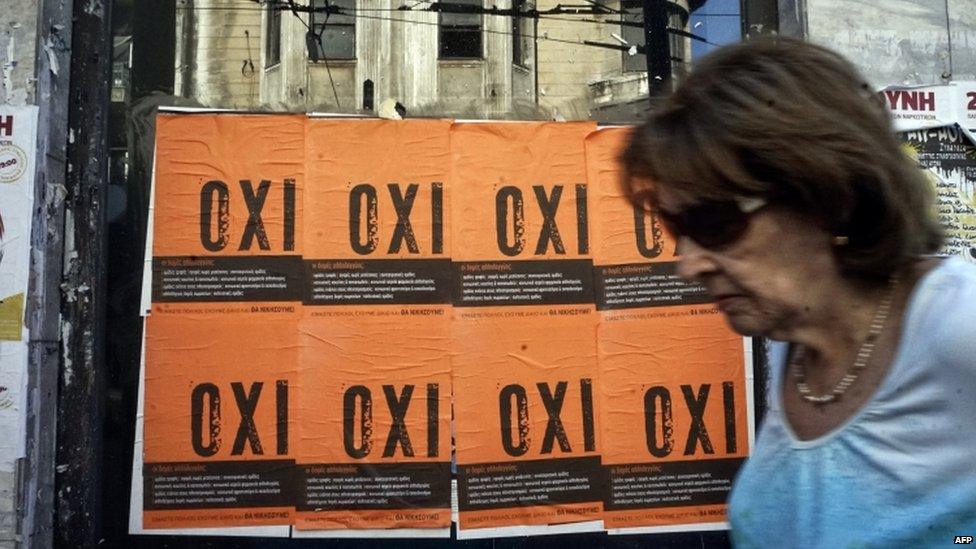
(375, 364)
(221, 341)
(676, 397)
(327, 294)
(524, 330)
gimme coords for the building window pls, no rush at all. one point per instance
(460, 33)
(272, 42)
(633, 12)
(521, 37)
(337, 30)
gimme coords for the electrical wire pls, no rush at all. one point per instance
(247, 69)
(318, 40)
(261, 8)
(640, 49)
(603, 6)
(484, 11)
(289, 6)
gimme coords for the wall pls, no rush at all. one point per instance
(581, 81)
(962, 30)
(398, 51)
(215, 38)
(18, 33)
(910, 42)
(566, 69)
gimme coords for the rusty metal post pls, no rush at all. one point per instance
(78, 480)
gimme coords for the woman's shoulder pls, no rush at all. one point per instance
(942, 310)
(950, 287)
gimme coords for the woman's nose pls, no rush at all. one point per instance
(694, 261)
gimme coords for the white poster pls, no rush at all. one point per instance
(17, 145)
(966, 104)
(18, 127)
(13, 378)
(915, 108)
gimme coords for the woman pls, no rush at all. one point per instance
(777, 171)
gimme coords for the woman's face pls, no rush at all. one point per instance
(770, 281)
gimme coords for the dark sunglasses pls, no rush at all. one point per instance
(712, 224)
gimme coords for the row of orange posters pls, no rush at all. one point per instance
(350, 321)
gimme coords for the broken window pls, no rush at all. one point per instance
(336, 30)
(460, 33)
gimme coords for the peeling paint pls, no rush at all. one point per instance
(10, 94)
(69, 293)
(70, 250)
(8, 64)
(67, 369)
(52, 58)
(94, 7)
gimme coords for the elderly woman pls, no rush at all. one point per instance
(777, 171)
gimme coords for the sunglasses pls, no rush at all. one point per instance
(712, 224)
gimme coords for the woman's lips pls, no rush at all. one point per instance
(725, 302)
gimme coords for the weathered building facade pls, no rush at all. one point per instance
(218, 52)
(242, 54)
(223, 47)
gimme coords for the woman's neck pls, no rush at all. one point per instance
(833, 333)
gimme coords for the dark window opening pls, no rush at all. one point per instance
(368, 95)
(272, 43)
(337, 31)
(460, 33)
(633, 12)
(521, 37)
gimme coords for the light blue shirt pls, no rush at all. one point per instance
(902, 471)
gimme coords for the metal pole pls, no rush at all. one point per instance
(78, 481)
(657, 47)
(43, 311)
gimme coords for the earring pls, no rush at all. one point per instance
(840, 241)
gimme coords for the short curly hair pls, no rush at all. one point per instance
(796, 124)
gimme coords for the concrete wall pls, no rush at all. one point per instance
(962, 31)
(398, 52)
(215, 38)
(577, 80)
(910, 42)
(18, 41)
(566, 69)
